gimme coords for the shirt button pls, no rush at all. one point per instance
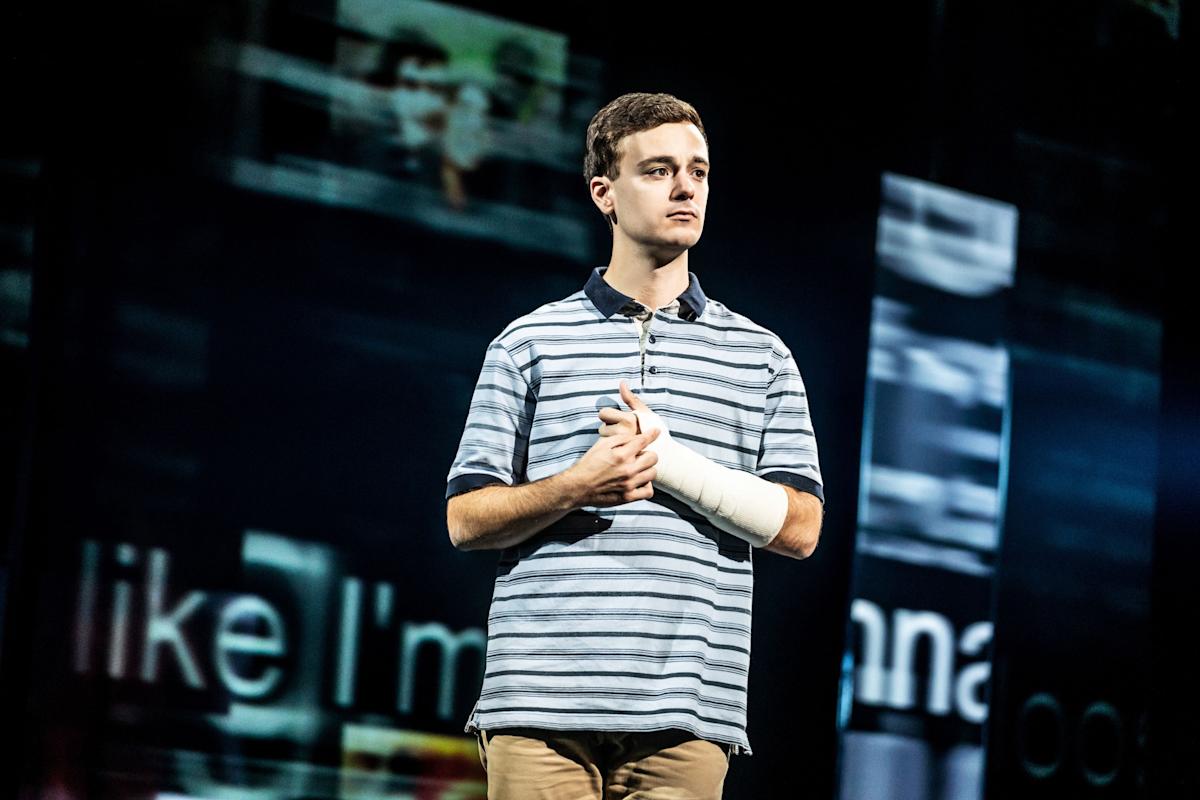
(654, 370)
(652, 339)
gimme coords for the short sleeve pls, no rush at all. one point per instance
(495, 441)
(787, 452)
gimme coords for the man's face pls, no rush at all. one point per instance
(663, 172)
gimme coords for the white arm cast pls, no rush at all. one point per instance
(737, 502)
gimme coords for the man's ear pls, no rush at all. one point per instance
(602, 197)
(599, 188)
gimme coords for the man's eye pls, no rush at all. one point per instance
(658, 169)
(701, 173)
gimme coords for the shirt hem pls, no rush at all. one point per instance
(736, 748)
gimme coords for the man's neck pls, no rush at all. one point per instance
(641, 277)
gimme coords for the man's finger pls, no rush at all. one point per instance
(620, 419)
(640, 440)
(609, 429)
(631, 399)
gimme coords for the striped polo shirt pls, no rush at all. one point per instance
(633, 617)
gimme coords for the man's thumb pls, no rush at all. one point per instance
(631, 399)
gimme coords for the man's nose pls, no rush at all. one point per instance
(685, 185)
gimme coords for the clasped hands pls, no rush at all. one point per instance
(735, 501)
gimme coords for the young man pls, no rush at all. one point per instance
(619, 633)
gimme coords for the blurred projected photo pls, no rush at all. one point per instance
(443, 93)
(454, 120)
(937, 376)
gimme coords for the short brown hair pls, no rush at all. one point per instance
(630, 113)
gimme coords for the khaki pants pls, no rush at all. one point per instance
(536, 764)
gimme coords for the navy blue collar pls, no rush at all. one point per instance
(609, 301)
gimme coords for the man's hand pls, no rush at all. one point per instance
(616, 422)
(736, 501)
(640, 420)
(615, 470)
